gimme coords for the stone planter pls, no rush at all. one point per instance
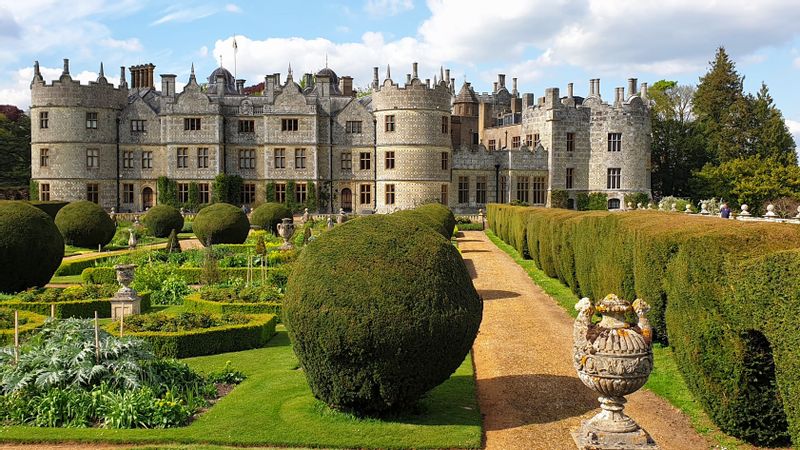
(286, 231)
(125, 301)
(613, 358)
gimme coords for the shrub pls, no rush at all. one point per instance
(85, 224)
(28, 323)
(221, 223)
(160, 220)
(635, 198)
(269, 215)
(598, 201)
(582, 201)
(167, 191)
(558, 198)
(386, 273)
(226, 188)
(433, 215)
(31, 247)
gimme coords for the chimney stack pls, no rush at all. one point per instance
(347, 86)
(514, 84)
(495, 87)
(408, 78)
(620, 96)
(632, 87)
(644, 91)
(168, 85)
(597, 87)
(240, 86)
(569, 90)
(123, 81)
(375, 78)
(66, 67)
(527, 100)
(309, 78)
(501, 80)
(447, 76)
(414, 71)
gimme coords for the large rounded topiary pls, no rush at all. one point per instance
(160, 220)
(380, 310)
(31, 247)
(269, 215)
(223, 223)
(85, 224)
(434, 215)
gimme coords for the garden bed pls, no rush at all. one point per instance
(79, 302)
(195, 302)
(28, 322)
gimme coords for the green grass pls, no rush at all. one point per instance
(665, 381)
(66, 279)
(274, 407)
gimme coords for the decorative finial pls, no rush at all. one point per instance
(36, 68)
(289, 73)
(220, 59)
(192, 78)
(435, 81)
(102, 74)
(388, 72)
(441, 73)
(326, 60)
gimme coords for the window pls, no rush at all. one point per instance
(347, 161)
(44, 157)
(248, 194)
(44, 192)
(536, 140)
(528, 140)
(570, 177)
(515, 142)
(480, 190)
(445, 160)
(364, 161)
(443, 197)
(539, 190)
(280, 192)
(91, 120)
(299, 158)
(365, 194)
(247, 159)
(503, 189)
(445, 124)
(205, 193)
(389, 123)
(191, 123)
(44, 121)
(523, 184)
(127, 193)
(183, 192)
(247, 126)
(300, 192)
(463, 189)
(127, 160)
(475, 138)
(289, 125)
(492, 144)
(202, 158)
(280, 158)
(613, 203)
(92, 193)
(138, 126)
(147, 160)
(570, 142)
(183, 157)
(614, 142)
(92, 158)
(614, 176)
(390, 194)
(389, 160)
(353, 127)
(570, 203)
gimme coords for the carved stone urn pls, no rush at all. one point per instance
(613, 358)
(286, 231)
(125, 301)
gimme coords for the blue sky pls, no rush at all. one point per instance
(545, 43)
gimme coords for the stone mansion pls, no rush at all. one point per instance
(401, 145)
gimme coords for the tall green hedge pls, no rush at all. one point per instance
(724, 295)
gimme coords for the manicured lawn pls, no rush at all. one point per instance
(665, 381)
(66, 279)
(274, 406)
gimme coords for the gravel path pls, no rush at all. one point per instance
(529, 393)
(186, 244)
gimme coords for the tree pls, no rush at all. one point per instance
(770, 137)
(15, 147)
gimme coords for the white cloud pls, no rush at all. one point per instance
(794, 128)
(203, 52)
(182, 14)
(232, 8)
(381, 8)
(128, 45)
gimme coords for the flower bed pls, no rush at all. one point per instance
(73, 302)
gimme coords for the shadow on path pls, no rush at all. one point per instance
(494, 294)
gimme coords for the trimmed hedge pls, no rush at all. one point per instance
(434, 215)
(194, 302)
(51, 208)
(269, 215)
(160, 220)
(85, 224)
(380, 310)
(208, 341)
(34, 322)
(724, 293)
(222, 223)
(78, 309)
(76, 266)
(31, 247)
(276, 276)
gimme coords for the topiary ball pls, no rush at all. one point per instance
(160, 220)
(434, 215)
(31, 247)
(269, 215)
(223, 223)
(380, 310)
(85, 224)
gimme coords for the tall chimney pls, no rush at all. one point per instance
(240, 86)
(66, 67)
(167, 85)
(597, 87)
(447, 76)
(514, 84)
(414, 71)
(501, 79)
(123, 82)
(347, 86)
(632, 87)
(408, 78)
(620, 96)
(644, 91)
(495, 87)
(374, 78)
(569, 90)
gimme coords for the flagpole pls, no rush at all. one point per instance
(235, 50)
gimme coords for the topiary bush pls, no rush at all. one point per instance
(380, 310)
(223, 223)
(434, 215)
(160, 220)
(269, 215)
(31, 247)
(85, 224)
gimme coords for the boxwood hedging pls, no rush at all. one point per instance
(33, 321)
(221, 223)
(196, 303)
(75, 266)
(724, 295)
(380, 310)
(276, 276)
(160, 220)
(208, 341)
(79, 309)
(434, 215)
(31, 247)
(85, 224)
(269, 215)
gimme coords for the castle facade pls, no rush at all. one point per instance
(396, 147)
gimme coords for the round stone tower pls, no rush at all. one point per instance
(413, 144)
(74, 137)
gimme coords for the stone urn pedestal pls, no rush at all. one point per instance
(613, 358)
(125, 301)
(286, 231)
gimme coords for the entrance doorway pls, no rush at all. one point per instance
(347, 200)
(147, 198)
